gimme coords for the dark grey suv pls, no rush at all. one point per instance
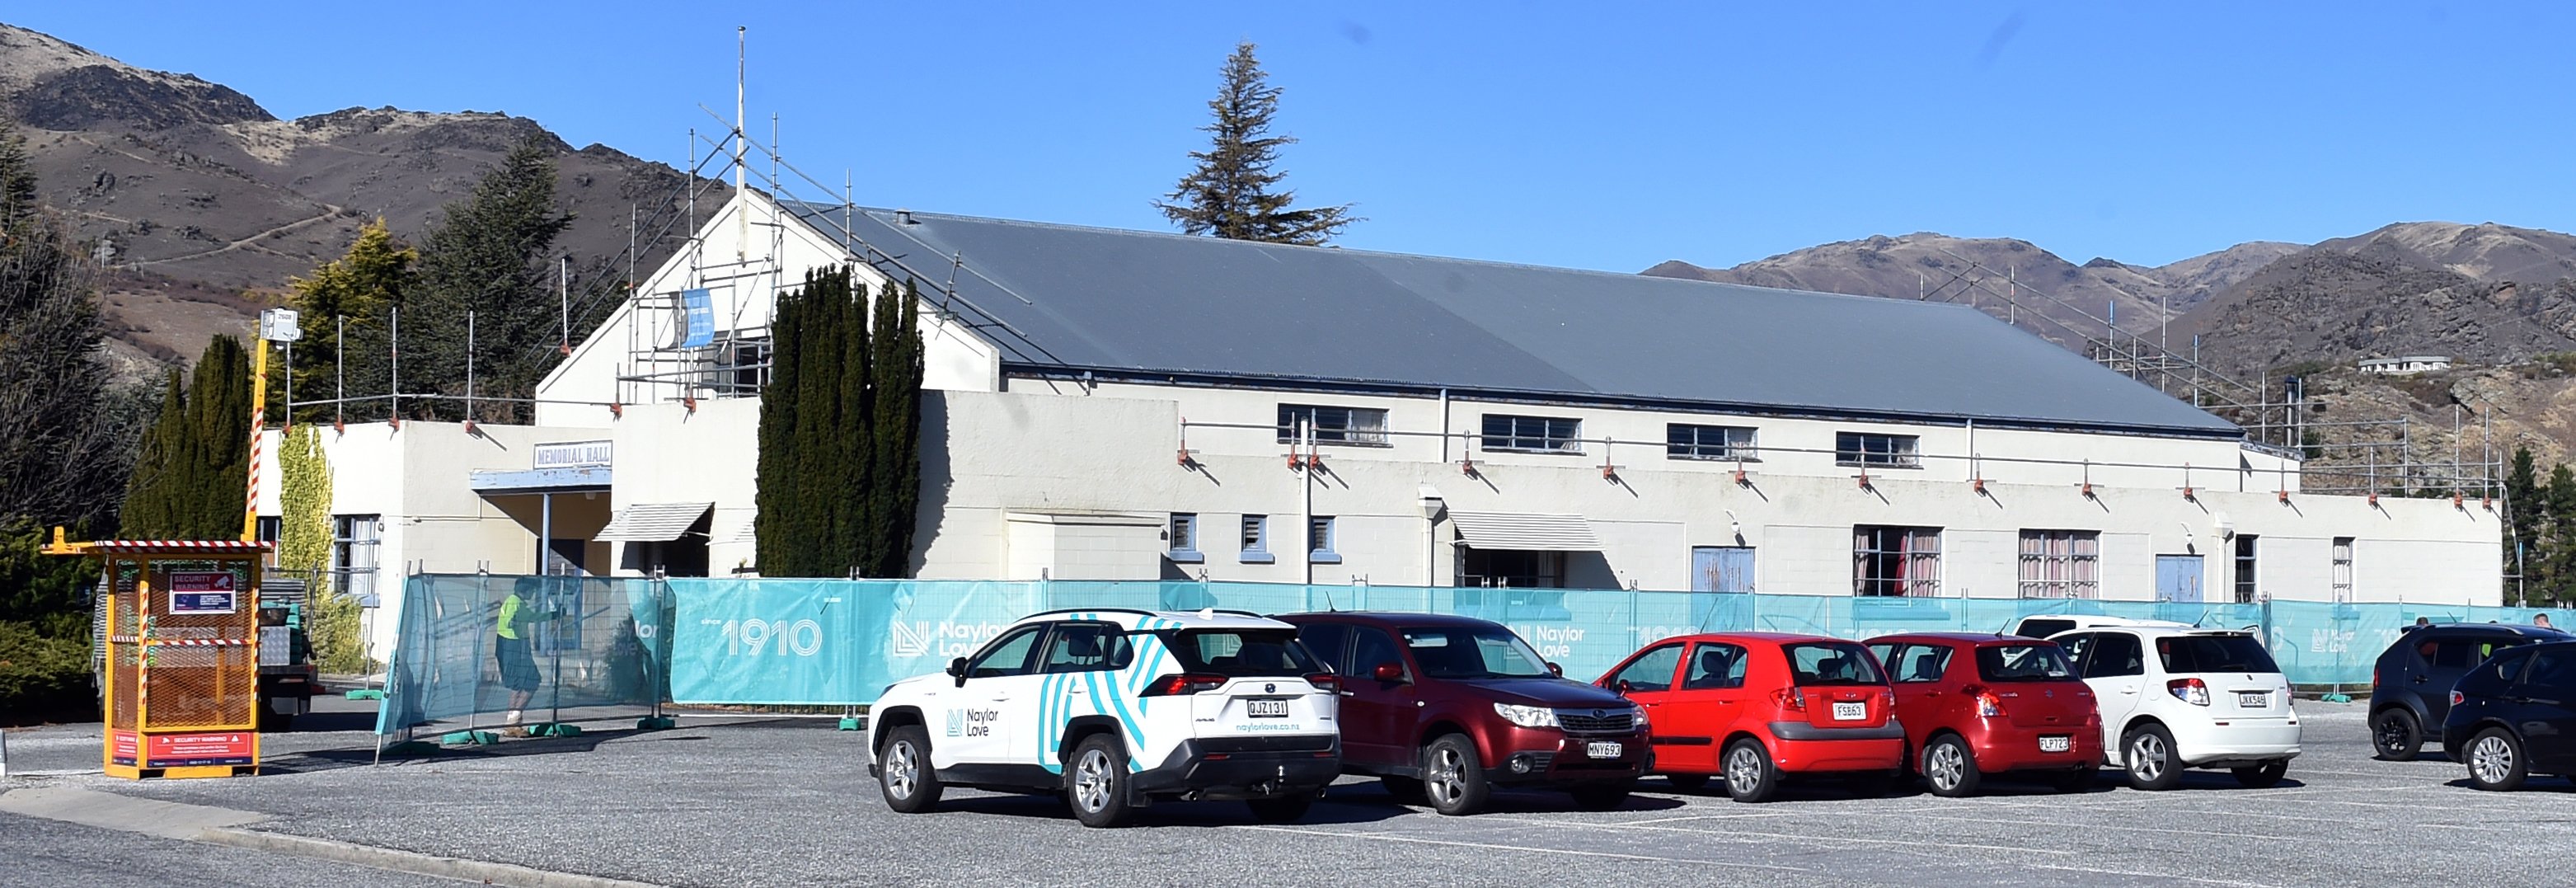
(2410, 688)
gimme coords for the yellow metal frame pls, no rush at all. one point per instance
(111, 556)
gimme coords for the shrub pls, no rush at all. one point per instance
(43, 676)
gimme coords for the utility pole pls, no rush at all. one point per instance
(275, 325)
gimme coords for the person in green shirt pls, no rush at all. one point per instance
(511, 630)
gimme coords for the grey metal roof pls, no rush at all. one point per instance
(1507, 530)
(1147, 303)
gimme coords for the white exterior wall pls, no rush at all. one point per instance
(1072, 451)
(731, 259)
(669, 454)
(415, 478)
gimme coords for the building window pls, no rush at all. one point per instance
(1184, 537)
(1510, 568)
(1256, 539)
(1891, 561)
(268, 525)
(2343, 570)
(2061, 564)
(1334, 425)
(2245, 568)
(1319, 541)
(1533, 434)
(1877, 451)
(1708, 442)
(353, 552)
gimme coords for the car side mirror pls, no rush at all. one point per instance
(1556, 670)
(1387, 672)
(957, 670)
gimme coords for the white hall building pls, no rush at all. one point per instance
(1120, 405)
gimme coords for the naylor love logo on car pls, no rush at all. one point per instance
(972, 722)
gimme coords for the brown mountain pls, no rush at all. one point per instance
(2012, 278)
(2484, 294)
(203, 202)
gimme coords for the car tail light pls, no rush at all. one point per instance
(1989, 705)
(1325, 682)
(1185, 683)
(1793, 699)
(2458, 698)
(2189, 690)
(1886, 699)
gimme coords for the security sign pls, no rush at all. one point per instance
(202, 592)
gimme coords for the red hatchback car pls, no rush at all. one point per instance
(1974, 705)
(1756, 707)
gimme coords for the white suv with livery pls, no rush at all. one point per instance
(1116, 709)
(2176, 697)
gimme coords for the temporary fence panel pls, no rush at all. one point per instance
(841, 642)
(591, 641)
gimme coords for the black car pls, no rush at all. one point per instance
(2411, 685)
(2515, 715)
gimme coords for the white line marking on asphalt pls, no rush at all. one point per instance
(2113, 872)
(1490, 846)
(1831, 812)
(2061, 823)
(1736, 833)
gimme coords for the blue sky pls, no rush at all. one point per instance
(1607, 136)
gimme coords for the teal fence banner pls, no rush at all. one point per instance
(841, 642)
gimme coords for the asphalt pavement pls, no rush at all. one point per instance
(729, 800)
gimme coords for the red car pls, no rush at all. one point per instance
(1756, 707)
(1974, 705)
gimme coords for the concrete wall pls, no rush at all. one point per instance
(987, 454)
(667, 453)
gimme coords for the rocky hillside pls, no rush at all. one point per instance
(203, 201)
(2016, 278)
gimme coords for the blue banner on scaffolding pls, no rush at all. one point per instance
(699, 310)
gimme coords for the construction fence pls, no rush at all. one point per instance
(612, 646)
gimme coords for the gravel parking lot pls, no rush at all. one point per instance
(725, 801)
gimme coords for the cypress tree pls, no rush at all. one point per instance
(779, 491)
(160, 471)
(894, 491)
(191, 479)
(2523, 510)
(858, 546)
(1229, 194)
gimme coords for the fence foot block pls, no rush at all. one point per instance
(366, 694)
(554, 729)
(2336, 698)
(656, 723)
(470, 738)
(851, 724)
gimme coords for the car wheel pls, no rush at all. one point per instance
(2153, 763)
(1406, 790)
(1602, 796)
(2495, 760)
(2077, 780)
(1687, 782)
(1283, 809)
(1096, 777)
(2395, 735)
(1452, 776)
(1750, 776)
(904, 773)
(1950, 768)
(2262, 776)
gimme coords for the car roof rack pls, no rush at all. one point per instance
(1081, 610)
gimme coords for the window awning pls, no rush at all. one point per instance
(653, 522)
(1507, 530)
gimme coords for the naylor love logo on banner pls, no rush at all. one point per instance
(202, 592)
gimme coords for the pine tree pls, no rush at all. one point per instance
(491, 254)
(360, 288)
(1230, 194)
(2523, 510)
(65, 447)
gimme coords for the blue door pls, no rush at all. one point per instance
(1722, 569)
(2178, 578)
(1727, 570)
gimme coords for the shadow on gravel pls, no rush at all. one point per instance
(2537, 783)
